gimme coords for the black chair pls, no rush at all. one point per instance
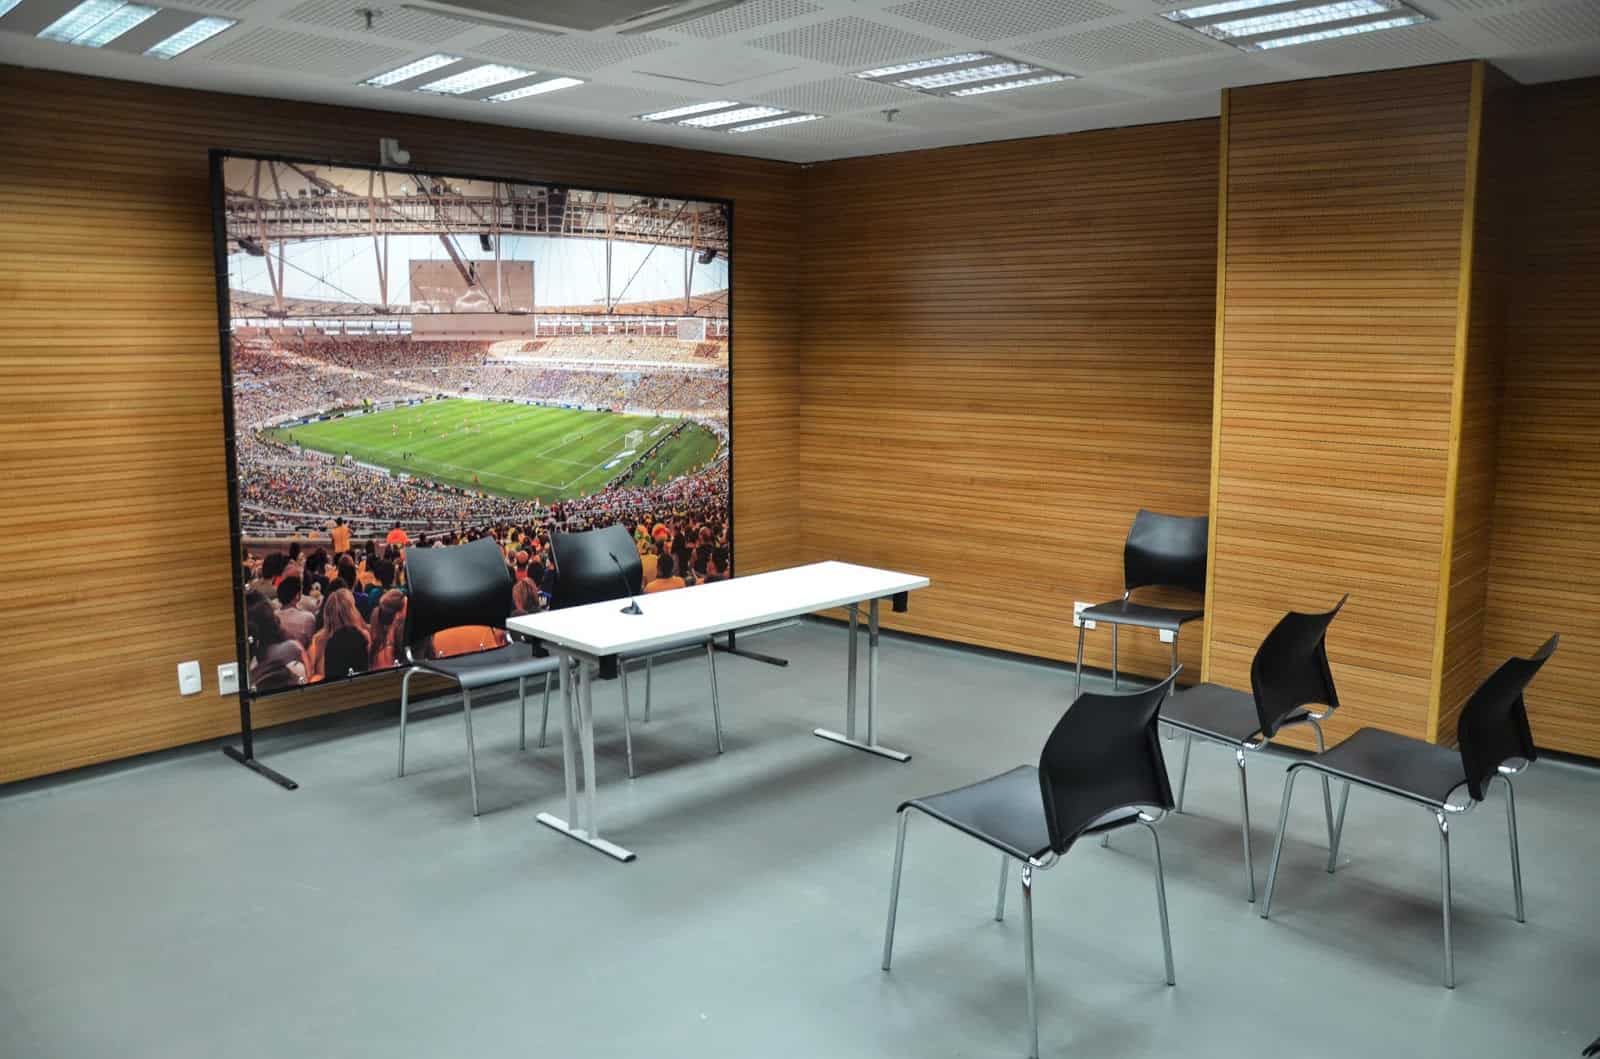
(1098, 771)
(1163, 551)
(1494, 742)
(1288, 674)
(465, 585)
(600, 565)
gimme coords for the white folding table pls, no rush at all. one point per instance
(590, 635)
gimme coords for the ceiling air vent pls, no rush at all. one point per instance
(585, 16)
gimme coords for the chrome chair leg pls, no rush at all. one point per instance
(1444, 895)
(1161, 902)
(627, 714)
(1244, 828)
(405, 709)
(649, 672)
(894, 888)
(522, 705)
(1516, 857)
(472, 753)
(544, 718)
(716, 709)
(1172, 732)
(1027, 956)
(1116, 676)
(1338, 829)
(1077, 684)
(1183, 772)
(1277, 846)
(1000, 898)
(1327, 795)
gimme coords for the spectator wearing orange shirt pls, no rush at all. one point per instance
(397, 537)
(341, 537)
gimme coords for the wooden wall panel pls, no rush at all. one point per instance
(1544, 573)
(1469, 499)
(113, 505)
(1345, 202)
(1008, 352)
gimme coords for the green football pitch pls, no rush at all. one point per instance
(508, 449)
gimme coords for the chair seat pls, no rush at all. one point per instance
(1125, 612)
(490, 667)
(1224, 714)
(1396, 764)
(1007, 812)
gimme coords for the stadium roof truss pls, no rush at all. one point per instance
(270, 203)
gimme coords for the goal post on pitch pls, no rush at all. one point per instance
(571, 439)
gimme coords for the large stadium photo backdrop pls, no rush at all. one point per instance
(415, 358)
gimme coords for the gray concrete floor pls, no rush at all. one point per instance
(185, 907)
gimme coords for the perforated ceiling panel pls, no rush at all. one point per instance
(1475, 6)
(1017, 18)
(1124, 45)
(851, 43)
(301, 52)
(925, 113)
(1069, 95)
(571, 54)
(1564, 25)
(835, 95)
(750, 15)
(227, 6)
(620, 101)
(1204, 75)
(395, 21)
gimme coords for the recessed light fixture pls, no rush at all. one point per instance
(967, 73)
(412, 69)
(6, 6)
(538, 88)
(96, 23)
(727, 115)
(1257, 25)
(195, 33)
(475, 79)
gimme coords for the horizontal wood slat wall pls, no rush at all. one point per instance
(1345, 201)
(110, 419)
(1008, 353)
(1544, 571)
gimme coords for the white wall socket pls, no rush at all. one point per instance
(1078, 608)
(1167, 635)
(228, 678)
(188, 678)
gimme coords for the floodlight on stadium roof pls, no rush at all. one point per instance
(727, 115)
(966, 73)
(1261, 25)
(96, 23)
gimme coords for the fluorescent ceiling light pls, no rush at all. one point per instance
(537, 89)
(692, 108)
(412, 69)
(953, 75)
(194, 33)
(1289, 22)
(730, 117)
(923, 64)
(792, 119)
(1006, 86)
(6, 6)
(1343, 31)
(96, 23)
(475, 80)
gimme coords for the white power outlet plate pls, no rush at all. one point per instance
(1167, 635)
(228, 678)
(188, 678)
(1078, 608)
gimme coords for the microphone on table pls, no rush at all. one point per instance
(633, 604)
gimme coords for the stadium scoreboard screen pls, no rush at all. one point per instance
(418, 359)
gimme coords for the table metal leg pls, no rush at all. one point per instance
(581, 699)
(848, 736)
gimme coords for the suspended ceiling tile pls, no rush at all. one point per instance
(282, 50)
(1016, 18)
(573, 53)
(852, 43)
(1128, 44)
(747, 16)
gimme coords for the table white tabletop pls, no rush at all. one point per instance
(601, 629)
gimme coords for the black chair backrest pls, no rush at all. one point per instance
(585, 572)
(1104, 754)
(1494, 723)
(1166, 550)
(345, 655)
(1290, 669)
(467, 584)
